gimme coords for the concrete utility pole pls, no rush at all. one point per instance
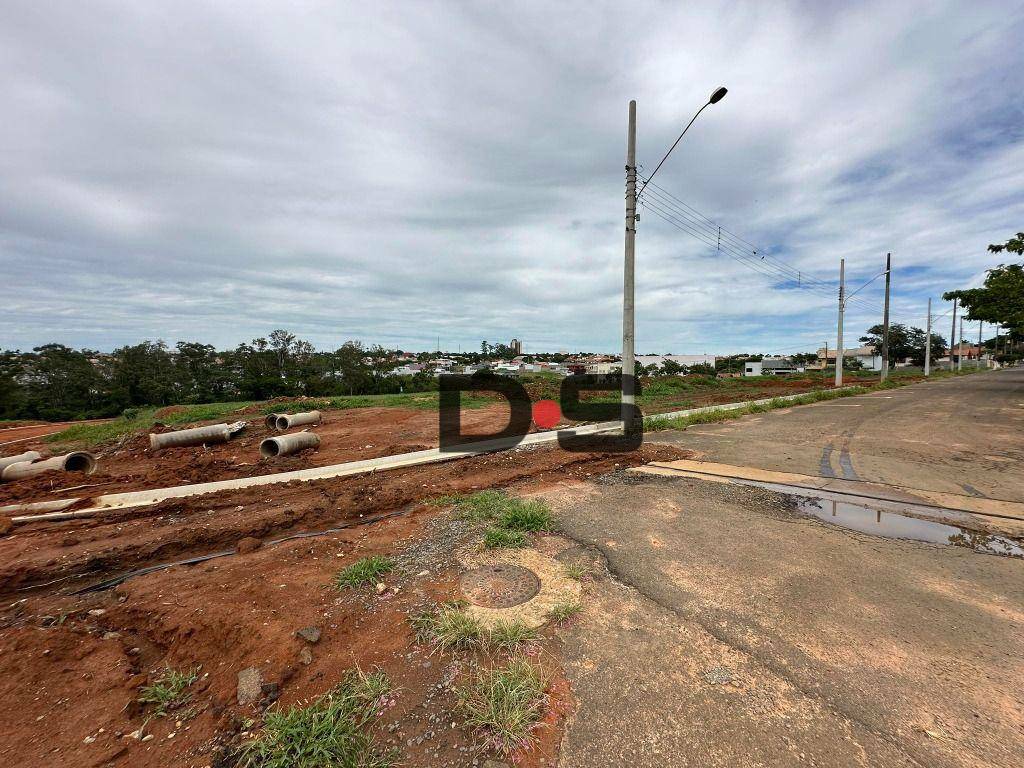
(981, 326)
(824, 365)
(952, 333)
(885, 319)
(928, 341)
(960, 356)
(842, 306)
(628, 360)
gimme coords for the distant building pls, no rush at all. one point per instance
(866, 355)
(516, 347)
(772, 366)
(684, 360)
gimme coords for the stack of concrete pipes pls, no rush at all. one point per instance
(31, 463)
(285, 445)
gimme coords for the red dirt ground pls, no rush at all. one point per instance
(69, 678)
(346, 435)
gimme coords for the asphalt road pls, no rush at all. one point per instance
(962, 435)
(725, 628)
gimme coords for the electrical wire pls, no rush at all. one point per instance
(687, 219)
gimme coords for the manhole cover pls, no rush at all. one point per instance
(499, 586)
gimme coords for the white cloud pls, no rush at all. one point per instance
(398, 172)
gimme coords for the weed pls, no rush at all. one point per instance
(363, 571)
(504, 705)
(510, 635)
(562, 612)
(657, 423)
(140, 419)
(168, 690)
(526, 516)
(330, 732)
(576, 571)
(448, 628)
(485, 505)
(496, 538)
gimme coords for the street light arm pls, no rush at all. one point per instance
(671, 148)
(869, 282)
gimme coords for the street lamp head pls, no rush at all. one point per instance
(718, 95)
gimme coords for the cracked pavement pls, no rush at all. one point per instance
(730, 630)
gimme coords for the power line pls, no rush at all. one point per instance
(705, 230)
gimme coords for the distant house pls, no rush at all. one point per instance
(866, 355)
(771, 366)
(967, 351)
(406, 370)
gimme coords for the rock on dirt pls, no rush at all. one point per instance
(306, 656)
(250, 686)
(310, 634)
(248, 544)
(6, 526)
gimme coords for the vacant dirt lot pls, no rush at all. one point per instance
(71, 664)
(346, 435)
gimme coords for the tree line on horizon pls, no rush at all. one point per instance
(56, 382)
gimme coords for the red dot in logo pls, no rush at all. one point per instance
(546, 413)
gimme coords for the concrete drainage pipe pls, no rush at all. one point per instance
(6, 461)
(285, 445)
(77, 461)
(216, 433)
(271, 420)
(289, 420)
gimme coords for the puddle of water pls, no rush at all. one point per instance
(893, 526)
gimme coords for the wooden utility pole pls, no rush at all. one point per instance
(885, 319)
(628, 359)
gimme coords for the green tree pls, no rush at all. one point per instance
(1000, 300)
(63, 383)
(351, 365)
(143, 374)
(12, 393)
(671, 368)
(203, 374)
(904, 343)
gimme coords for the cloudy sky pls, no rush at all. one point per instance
(399, 172)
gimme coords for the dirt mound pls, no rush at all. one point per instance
(170, 410)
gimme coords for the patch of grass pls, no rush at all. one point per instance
(484, 505)
(510, 635)
(562, 612)
(331, 732)
(168, 691)
(420, 400)
(576, 571)
(496, 538)
(657, 423)
(140, 420)
(504, 705)
(363, 571)
(448, 628)
(532, 515)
